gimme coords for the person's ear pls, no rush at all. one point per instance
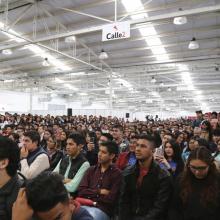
(80, 146)
(112, 156)
(4, 163)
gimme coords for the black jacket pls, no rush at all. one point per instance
(151, 199)
(193, 209)
(8, 195)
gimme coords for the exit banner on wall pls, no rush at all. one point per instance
(116, 31)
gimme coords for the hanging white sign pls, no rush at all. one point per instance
(116, 31)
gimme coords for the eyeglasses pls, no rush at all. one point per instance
(199, 168)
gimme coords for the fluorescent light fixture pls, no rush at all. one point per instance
(103, 55)
(70, 39)
(83, 93)
(180, 20)
(7, 52)
(182, 67)
(124, 82)
(57, 80)
(153, 80)
(198, 92)
(9, 80)
(77, 74)
(155, 94)
(132, 6)
(70, 87)
(149, 101)
(193, 45)
(45, 62)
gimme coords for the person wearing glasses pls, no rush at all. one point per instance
(197, 191)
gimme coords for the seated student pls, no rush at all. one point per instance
(101, 183)
(54, 154)
(74, 165)
(52, 203)
(146, 188)
(216, 155)
(197, 191)
(127, 158)
(171, 159)
(9, 181)
(193, 144)
(34, 159)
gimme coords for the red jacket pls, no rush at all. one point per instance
(122, 160)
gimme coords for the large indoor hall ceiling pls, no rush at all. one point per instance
(153, 70)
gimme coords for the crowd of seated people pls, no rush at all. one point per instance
(108, 168)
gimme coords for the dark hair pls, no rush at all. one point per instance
(111, 146)
(45, 191)
(176, 150)
(108, 136)
(176, 156)
(117, 126)
(78, 138)
(149, 138)
(33, 135)
(211, 187)
(9, 150)
(216, 132)
(203, 142)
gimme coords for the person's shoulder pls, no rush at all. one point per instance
(129, 170)
(161, 173)
(82, 214)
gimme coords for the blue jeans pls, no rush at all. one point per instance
(96, 213)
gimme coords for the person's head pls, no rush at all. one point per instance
(108, 151)
(51, 143)
(63, 136)
(47, 134)
(117, 132)
(200, 166)
(200, 162)
(199, 114)
(105, 137)
(31, 140)
(166, 137)
(193, 143)
(179, 137)
(15, 137)
(48, 197)
(9, 157)
(98, 133)
(20, 131)
(91, 137)
(216, 135)
(214, 115)
(133, 143)
(145, 147)
(172, 151)
(197, 131)
(206, 130)
(40, 130)
(9, 129)
(75, 142)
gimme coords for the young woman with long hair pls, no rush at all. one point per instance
(197, 191)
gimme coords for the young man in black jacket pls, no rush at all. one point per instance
(9, 181)
(146, 187)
